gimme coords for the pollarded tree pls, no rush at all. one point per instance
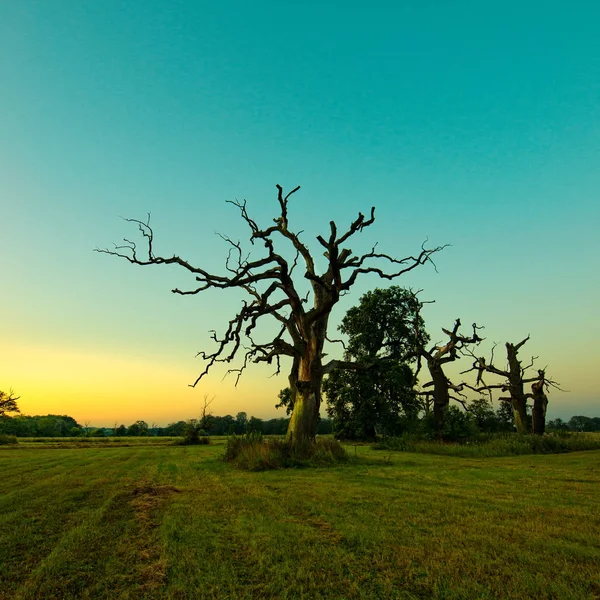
(514, 384)
(440, 390)
(540, 403)
(8, 403)
(272, 286)
(381, 332)
(515, 378)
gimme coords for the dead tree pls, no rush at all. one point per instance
(540, 403)
(271, 284)
(515, 379)
(8, 403)
(206, 419)
(436, 358)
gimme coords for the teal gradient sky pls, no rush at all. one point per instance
(471, 123)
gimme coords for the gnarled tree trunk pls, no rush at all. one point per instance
(307, 371)
(441, 394)
(436, 358)
(518, 398)
(540, 403)
(519, 408)
(307, 397)
(514, 384)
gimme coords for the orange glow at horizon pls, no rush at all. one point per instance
(101, 388)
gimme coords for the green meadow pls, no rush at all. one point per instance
(102, 520)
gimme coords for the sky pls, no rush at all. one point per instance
(474, 124)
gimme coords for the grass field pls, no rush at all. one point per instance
(87, 442)
(175, 522)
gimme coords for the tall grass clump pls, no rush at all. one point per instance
(5, 439)
(253, 452)
(489, 445)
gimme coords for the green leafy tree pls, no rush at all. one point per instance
(54, 426)
(139, 428)
(20, 426)
(255, 425)
(39, 425)
(489, 420)
(557, 425)
(121, 431)
(458, 425)
(193, 433)
(286, 400)
(506, 417)
(241, 423)
(223, 425)
(276, 427)
(97, 432)
(581, 423)
(382, 330)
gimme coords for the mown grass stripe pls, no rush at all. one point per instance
(176, 522)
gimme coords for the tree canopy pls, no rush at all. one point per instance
(382, 331)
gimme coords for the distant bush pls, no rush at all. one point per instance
(96, 432)
(5, 439)
(459, 425)
(193, 434)
(505, 444)
(193, 441)
(252, 452)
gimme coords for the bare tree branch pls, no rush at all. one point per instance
(271, 292)
(8, 403)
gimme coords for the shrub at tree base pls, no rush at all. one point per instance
(7, 439)
(507, 444)
(253, 453)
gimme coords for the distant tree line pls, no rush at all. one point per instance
(576, 423)
(479, 416)
(238, 425)
(40, 426)
(65, 426)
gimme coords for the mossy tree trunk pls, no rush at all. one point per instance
(519, 408)
(306, 377)
(302, 427)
